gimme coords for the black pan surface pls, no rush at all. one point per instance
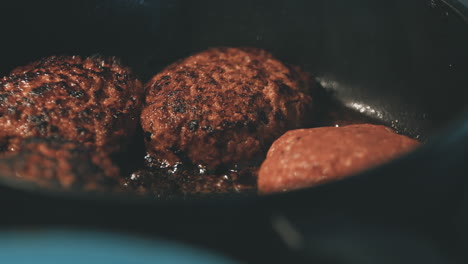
(402, 62)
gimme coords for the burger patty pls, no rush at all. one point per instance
(223, 106)
(95, 101)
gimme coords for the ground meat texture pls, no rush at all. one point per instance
(95, 101)
(61, 164)
(223, 106)
(307, 157)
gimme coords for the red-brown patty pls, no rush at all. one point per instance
(307, 157)
(223, 106)
(95, 101)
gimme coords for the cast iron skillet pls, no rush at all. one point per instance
(403, 62)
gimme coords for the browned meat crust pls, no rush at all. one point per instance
(307, 157)
(95, 101)
(223, 106)
(60, 164)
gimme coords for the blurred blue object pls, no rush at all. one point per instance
(64, 246)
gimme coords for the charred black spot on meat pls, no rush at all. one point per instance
(40, 90)
(86, 112)
(3, 97)
(99, 94)
(36, 119)
(191, 74)
(175, 149)
(208, 129)
(212, 81)
(174, 92)
(116, 114)
(178, 106)
(98, 116)
(283, 88)
(42, 128)
(161, 84)
(192, 125)
(76, 93)
(118, 88)
(219, 70)
(11, 110)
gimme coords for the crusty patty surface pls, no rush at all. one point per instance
(61, 164)
(307, 157)
(223, 106)
(95, 101)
